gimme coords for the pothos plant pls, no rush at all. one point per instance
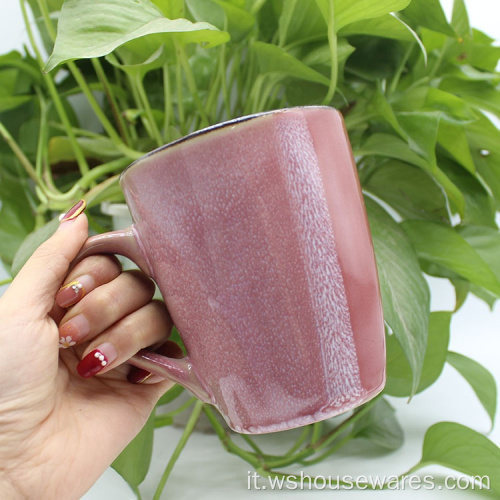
(417, 93)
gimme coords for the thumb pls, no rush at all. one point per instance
(37, 283)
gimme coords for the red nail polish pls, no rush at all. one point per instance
(74, 211)
(92, 364)
(138, 375)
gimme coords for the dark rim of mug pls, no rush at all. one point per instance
(216, 127)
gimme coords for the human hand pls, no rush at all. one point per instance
(59, 431)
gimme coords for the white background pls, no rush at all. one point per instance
(206, 471)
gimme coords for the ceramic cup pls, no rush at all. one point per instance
(256, 234)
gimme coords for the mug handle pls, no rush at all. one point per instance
(125, 242)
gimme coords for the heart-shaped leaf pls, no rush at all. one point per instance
(479, 378)
(457, 447)
(405, 293)
(119, 22)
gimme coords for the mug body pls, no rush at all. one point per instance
(256, 233)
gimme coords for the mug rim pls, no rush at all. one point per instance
(217, 126)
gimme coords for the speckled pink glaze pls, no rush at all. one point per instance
(256, 234)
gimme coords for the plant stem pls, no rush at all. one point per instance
(300, 440)
(399, 71)
(180, 446)
(180, 409)
(180, 98)
(28, 167)
(324, 441)
(80, 79)
(191, 83)
(223, 79)
(108, 127)
(42, 134)
(80, 157)
(227, 442)
(167, 103)
(332, 42)
(141, 92)
(253, 445)
(339, 444)
(120, 122)
(106, 168)
(7, 281)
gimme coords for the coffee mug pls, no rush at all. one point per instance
(256, 234)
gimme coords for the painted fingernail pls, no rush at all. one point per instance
(96, 360)
(73, 212)
(73, 331)
(71, 293)
(138, 375)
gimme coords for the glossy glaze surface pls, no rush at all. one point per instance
(257, 237)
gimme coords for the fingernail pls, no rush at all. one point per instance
(73, 212)
(138, 375)
(71, 293)
(96, 360)
(73, 331)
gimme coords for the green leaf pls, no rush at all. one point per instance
(115, 22)
(321, 55)
(31, 243)
(133, 462)
(479, 378)
(452, 137)
(421, 129)
(132, 57)
(429, 13)
(457, 447)
(484, 139)
(387, 26)
(301, 21)
(449, 106)
(479, 204)
(405, 293)
(482, 95)
(384, 109)
(390, 146)
(16, 216)
(399, 375)
(486, 242)
(225, 16)
(380, 426)
(411, 191)
(173, 9)
(275, 60)
(462, 289)
(460, 19)
(446, 247)
(12, 102)
(171, 394)
(481, 53)
(375, 58)
(347, 11)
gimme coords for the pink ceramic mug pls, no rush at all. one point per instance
(256, 234)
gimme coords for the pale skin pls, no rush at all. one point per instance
(58, 430)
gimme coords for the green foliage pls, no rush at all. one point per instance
(480, 379)
(416, 91)
(458, 447)
(133, 462)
